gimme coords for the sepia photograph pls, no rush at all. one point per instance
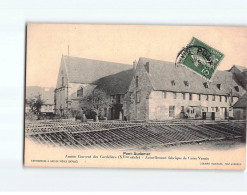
(123, 96)
(135, 96)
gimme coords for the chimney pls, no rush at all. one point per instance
(147, 66)
(134, 64)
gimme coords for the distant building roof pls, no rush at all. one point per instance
(49, 100)
(242, 102)
(82, 70)
(165, 76)
(116, 83)
(45, 93)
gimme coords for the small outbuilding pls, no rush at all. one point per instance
(240, 108)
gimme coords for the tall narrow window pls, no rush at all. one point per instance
(138, 97)
(62, 81)
(225, 98)
(171, 111)
(137, 82)
(199, 97)
(220, 98)
(191, 96)
(213, 98)
(112, 99)
(174, 95)
(164, 94)
(184, 96)
(131, 97)
(118, 99)
(207, 97)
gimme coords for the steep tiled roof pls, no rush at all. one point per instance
(33, 92)
(82, 70)
(163, 73)
(242, 102)
(116, 83)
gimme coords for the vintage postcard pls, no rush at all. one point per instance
(135, 96)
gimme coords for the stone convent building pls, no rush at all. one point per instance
(76, 79)
(161, 91)
(150, 90)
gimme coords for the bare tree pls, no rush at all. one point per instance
(35, 105)
(30, 103)
(96, 102)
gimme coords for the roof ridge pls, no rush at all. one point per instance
(111, 75)
(174, 63)
(163, 73)
(239, 66)
(95, 60)
(84, 70)
(155, 59)
(117, 83)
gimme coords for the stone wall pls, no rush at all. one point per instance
(61, 90)
(138, 110)
(239, 113)
(66, 98)
(47, 108)
(159, 106)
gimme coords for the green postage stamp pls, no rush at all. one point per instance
(200, 58)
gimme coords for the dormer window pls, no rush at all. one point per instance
(186, 83)
(236, 88)
(205, 85)
(173, 83)
(80, 92)
(219, 86)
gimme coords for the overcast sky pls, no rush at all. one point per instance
(122, 43)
